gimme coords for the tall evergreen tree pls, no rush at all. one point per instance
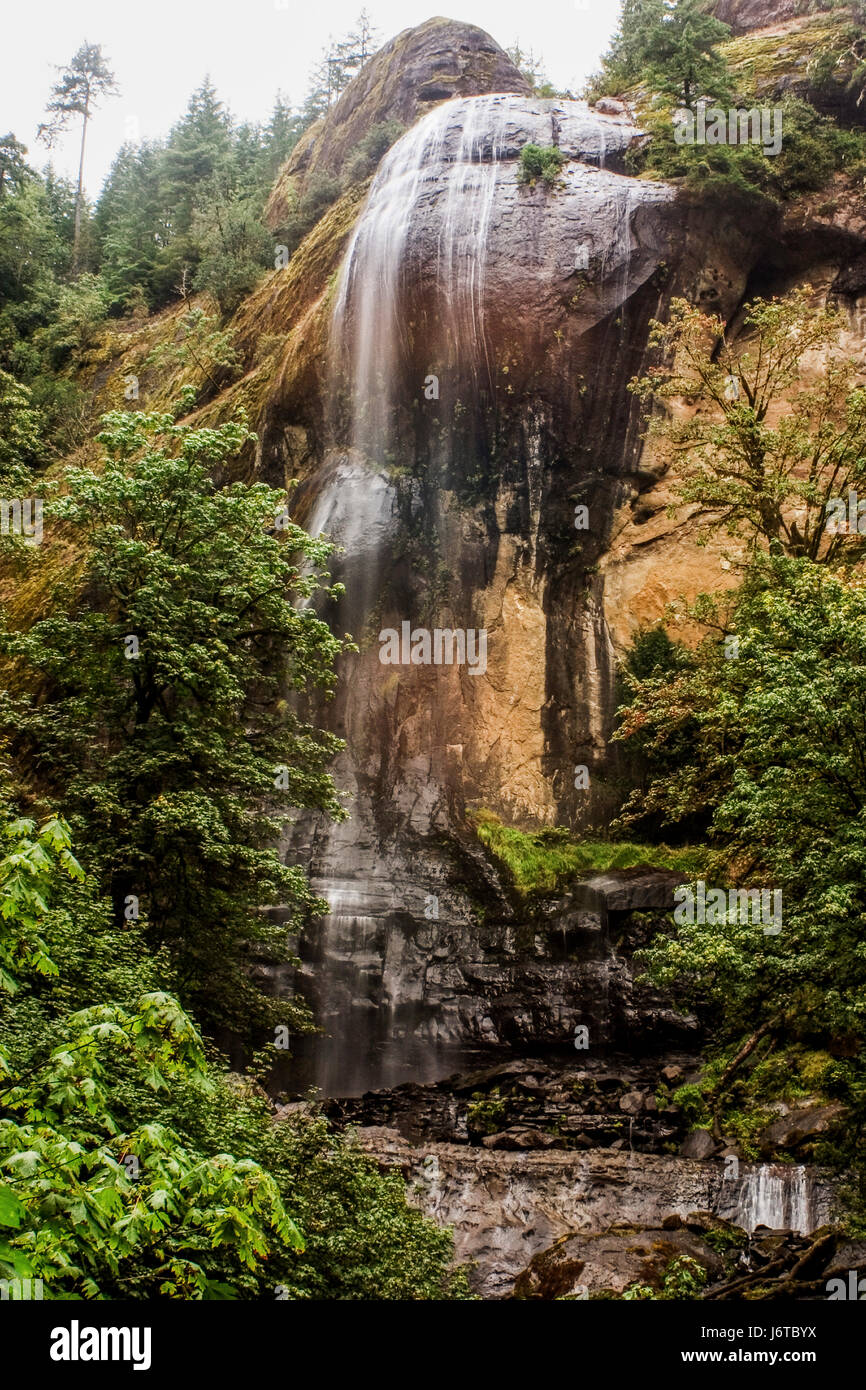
(13, 168)
(77, 92)
(669, 44)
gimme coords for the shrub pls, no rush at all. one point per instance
(540, 163)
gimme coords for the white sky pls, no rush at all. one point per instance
(160, 52)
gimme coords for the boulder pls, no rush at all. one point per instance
(795, 1128)
(632, 1103)
(439, 59)
(699, 1144)
(584, 1265)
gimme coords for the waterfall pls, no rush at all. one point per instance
(450, 158)
(429, 219)
(780, 1196)
(458, 272)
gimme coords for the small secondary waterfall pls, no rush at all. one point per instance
(780, 1196)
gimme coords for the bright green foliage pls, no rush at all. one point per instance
(20, 444)
(79, 1196)
(770, 744)
(78, 319)
(130, 1167)
(543, 860)
(759, 473)
(683, 1278)
(186, 214)
(813, 148)
(234, 248)
(28, 869)
(169, 718)
(361, 1239)
(540, 163)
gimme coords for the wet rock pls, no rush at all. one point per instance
(699, 1144)
(436, 60)
(508, 1205)
(609, 106)
(520, 1137)
(584, 1265)
(632, 1103)
(799, 1126)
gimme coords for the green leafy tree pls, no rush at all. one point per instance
(81, 1199)
(20, 435)
(763, 455)
(78, 91)
(235, 248)
(134, 225)
(131, 1166)
(167, 716)
(14, 171)
(762, 731)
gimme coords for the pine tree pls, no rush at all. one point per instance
(76, 93)
(13, 169)
(669, 44)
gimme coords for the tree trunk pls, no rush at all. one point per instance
(721, 1085)
(76, 239)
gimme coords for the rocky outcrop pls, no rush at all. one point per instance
(537, 1101)
(402, 993)
(719, 1259)
(507, 1207)
(745, 15)
(430, 63)
(584, 1266)
(799, 1127)
(447, 404)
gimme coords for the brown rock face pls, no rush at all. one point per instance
(745, 15)
(452, 399)
(421, 66)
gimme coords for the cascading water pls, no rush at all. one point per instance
(780, 1196)
(430, 214)
(448, 261)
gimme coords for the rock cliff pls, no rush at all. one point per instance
(445, 384)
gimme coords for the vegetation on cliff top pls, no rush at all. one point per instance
(544, 861)
(669, 56)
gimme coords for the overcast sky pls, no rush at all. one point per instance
(160, 52)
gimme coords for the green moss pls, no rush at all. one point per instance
(541, 861)
(763, 64)
(485, 1113)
